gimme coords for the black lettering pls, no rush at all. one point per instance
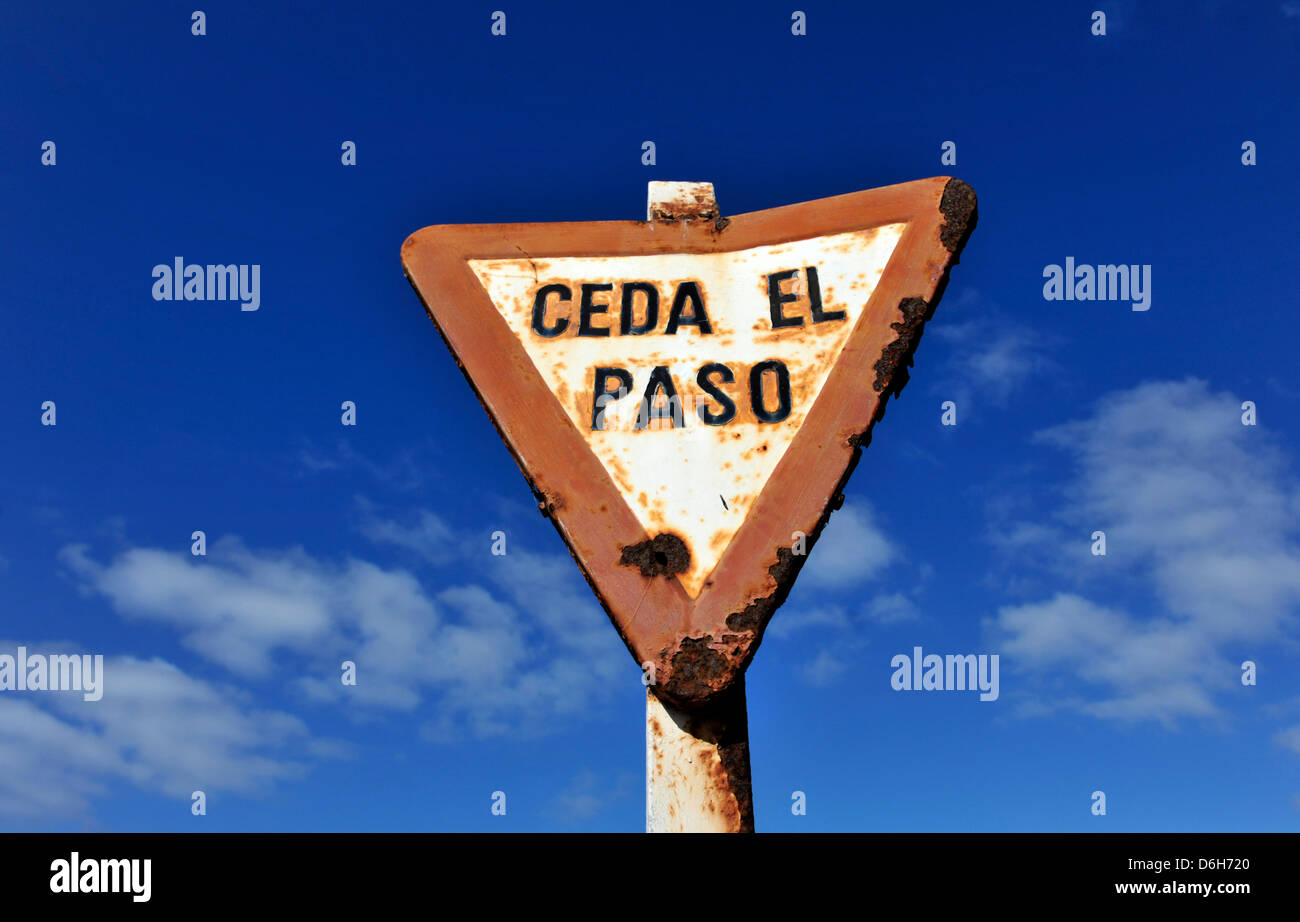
(782, 389)
(688, 291)
(601, 396)
(728, 405)
(776, 298)
(671, 408)
(626, 326)
(587, 308)
(539, 310)
(815, 299)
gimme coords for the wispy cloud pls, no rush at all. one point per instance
(156, 728)
(1290, 738)
(1202, 514)
(798, 619)
(852, 549)
(427, 536)
(589, 795)
(891, 608)
(825, 668)
(852, 554)
(404, 472)
(991, 355)
(506, 644)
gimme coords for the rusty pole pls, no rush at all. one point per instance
(697, 762)
(697, 766)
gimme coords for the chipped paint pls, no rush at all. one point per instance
(959, 214)
(682, 201)
(664, 555)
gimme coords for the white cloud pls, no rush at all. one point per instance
(429, 537)
(1152, 668)
(883, 609)
(1198, 510)
(505, 653)
(234, 607)
(851, 550)
(1290, 738)
(407, 471)
(891, 608)
(156, 728)
(824, 617)
(991, 356)
(824, 668)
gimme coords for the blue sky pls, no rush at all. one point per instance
(481, 673)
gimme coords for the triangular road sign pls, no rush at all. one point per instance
(687, 395)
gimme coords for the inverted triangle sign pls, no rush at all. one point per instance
(687, 395)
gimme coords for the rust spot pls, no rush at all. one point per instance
(958, 206)
(757, 613)
(733, 751)
(547, 503)
(698, 673)
(698, 670)
(891, 367)
(687, 202)
(960, 212)
(663, 555)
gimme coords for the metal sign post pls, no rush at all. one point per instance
(697, 772)
(697, 776)
(687, 397)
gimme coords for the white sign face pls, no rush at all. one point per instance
(688, 375)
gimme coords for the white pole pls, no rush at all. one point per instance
(697, 775)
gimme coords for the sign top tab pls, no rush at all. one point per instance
(687, 395)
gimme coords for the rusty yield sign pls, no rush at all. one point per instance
(687, 395)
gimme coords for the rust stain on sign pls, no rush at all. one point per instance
(686, 398)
